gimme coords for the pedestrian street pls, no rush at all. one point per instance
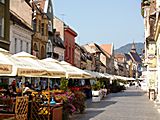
(132, 104)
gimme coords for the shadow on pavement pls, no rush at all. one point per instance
(87, 115)
(93, 109)
(127, 93)
(101, 104)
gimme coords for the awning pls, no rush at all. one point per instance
(74, 72)
(98, 74)
(27, 66)
(54, 69)
(6, 66)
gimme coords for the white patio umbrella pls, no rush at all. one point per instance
(27, 67)
(108, 75)
(132, 79)
(54, 69)
(93, 75)
(74, 72)
(6, 66)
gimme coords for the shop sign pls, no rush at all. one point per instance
(5, 69)
(31, 72)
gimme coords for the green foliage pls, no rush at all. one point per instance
(101, 84)
(96, 86)
(4, 85)
(64, 84)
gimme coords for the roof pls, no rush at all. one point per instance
(70, 30)
(58, 41)
(136, 57)
(43, 4)
(86, 53)
(107, 48)
(89, 48)
(94, 48)
(128, 57)
(16, 19)
(120, 57)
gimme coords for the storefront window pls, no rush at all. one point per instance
(1, 26)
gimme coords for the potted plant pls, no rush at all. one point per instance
(64, 84)
(79, 101)
(96, 95)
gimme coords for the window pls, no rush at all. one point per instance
(46, 29)
(50, 9)
(15, 45)
(49, 26)
(21, 45)
(39, 29)
(38, 26)
(1, 26)
(34, 25)
(27, 50)
(43, 29)
(49, 46)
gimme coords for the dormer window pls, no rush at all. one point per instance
(49, 26)
(49, 8)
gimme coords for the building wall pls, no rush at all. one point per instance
(20, 39)
(4, 14)
(83, 65)
(59, 26)
(69, 42)
(60, 52)
(20, 7)
(77, 57)
(103, 59)
(40, 38)
(102, 69)
(89, 65)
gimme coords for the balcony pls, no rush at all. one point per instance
(37, 35)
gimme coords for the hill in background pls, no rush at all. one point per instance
(126, 48)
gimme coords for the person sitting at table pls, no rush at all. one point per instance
(10, 91)
(27, 90)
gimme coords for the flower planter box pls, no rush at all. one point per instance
(57, 113)
(96, 96)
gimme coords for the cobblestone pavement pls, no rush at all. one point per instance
(132, 104)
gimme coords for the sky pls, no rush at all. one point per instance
(102, 21)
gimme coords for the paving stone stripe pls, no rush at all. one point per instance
(132, 104)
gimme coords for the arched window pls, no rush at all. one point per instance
(35, 50)
(42, 52)
(49, 26)
(49, 46)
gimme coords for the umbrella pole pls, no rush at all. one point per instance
(23, 82)
(48, 99)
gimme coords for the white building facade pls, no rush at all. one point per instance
(20, 39)
(20, 26)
